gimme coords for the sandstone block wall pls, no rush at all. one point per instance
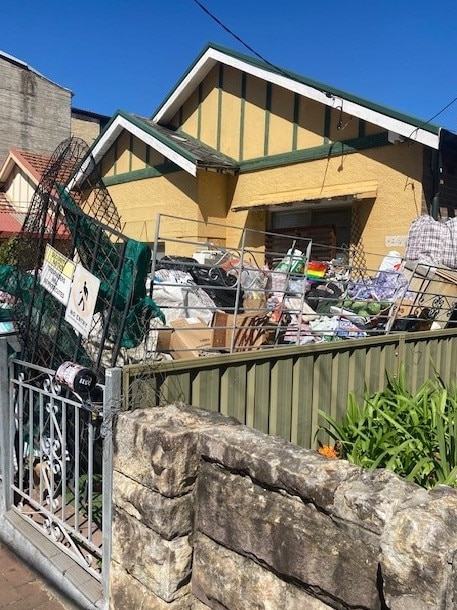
(211, 514)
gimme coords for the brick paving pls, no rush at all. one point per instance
(22, 589)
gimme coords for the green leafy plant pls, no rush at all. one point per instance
(414, 435)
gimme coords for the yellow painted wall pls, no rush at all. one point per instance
(397, 170)
(140, 201)
(190, 115)
(281, 121)
(123, 164)
(209, 109)
(246, 129)
(254, 119)
(122, 157)
(108, 163)
(342, 126)
(243, 129)
(310, 127)
(230, 113)
(138, 154)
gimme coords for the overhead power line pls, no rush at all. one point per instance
(227, 29)
(252, 50)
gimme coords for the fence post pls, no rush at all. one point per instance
(111, 404)
(400, 353)
(6, 454)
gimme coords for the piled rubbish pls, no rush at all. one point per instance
(220, 300)
(232, 305)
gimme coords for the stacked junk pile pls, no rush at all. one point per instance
(222, 301)
(76, 289)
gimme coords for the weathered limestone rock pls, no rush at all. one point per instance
(169, 517)
(158, 447)
(224, 579)
(418, 553)
(163, 566)
(128, 593)
(288, 536)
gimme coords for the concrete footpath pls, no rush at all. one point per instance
(23, 589)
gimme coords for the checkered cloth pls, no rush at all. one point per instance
(433, 242)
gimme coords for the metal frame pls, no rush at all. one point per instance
(41, 460)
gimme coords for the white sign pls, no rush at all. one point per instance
(82, 301)
(57, 274)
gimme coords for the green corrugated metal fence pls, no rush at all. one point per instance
(279, 391)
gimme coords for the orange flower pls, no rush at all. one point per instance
(328, 451)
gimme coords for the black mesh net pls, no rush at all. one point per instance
(73, 216)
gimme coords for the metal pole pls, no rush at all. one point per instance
(112, 401)
(6, 454)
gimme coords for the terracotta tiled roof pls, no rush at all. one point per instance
(35, 162)
(10, 220)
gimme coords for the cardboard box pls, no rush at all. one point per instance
(185, 338)
(254, 305)
(163, 339)
(243, 330)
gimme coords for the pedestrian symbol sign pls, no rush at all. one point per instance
(82, 301)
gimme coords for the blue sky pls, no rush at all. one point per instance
(129, 55)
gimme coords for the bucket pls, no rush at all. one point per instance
(76, 377)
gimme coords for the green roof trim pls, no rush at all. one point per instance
(141, 174)
(191, 149)
(253, 61)
(155, 133)
(334, 149)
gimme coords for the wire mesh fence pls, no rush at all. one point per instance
(73, 284)
(82, 291)
(219, 299)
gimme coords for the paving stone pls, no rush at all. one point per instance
(22, 589)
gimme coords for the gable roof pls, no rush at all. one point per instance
(33, 164)
(185, 151)
(407, 126)
(190, 154)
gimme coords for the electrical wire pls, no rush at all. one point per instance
(434, 116)
(227, 29)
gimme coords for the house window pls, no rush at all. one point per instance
(328, 228)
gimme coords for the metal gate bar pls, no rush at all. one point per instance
(56, 465)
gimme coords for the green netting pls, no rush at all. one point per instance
(84, 226)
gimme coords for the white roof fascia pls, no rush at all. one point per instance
(190, 81)
(208, 60)
(112, 133)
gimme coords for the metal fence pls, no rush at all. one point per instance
(280, 391)
(57, 460)
(271, 290)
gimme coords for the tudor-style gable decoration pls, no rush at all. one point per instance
(240, 142)
(284, 95)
